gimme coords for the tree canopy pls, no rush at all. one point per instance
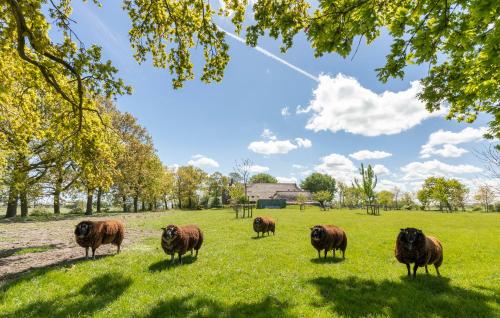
(319, 182)
(458, 40)
(263, 178)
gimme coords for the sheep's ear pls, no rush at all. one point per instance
(164, 228)
(419, 231)
(402, 230)
(311, 228)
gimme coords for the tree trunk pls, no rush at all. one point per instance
(57, 202)
(136, 203)
(23, 197)
(99, 196)
(143, 205)
(165, 202)
(124, 199)
(90, 196)
(12, 203)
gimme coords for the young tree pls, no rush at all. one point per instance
(424, 196)
(486, 196)
(367, 185)
(396, 190)
(301, 200)
(323, 197)
(407, 201)
(243, 169)
(263, 178)
(217, 184)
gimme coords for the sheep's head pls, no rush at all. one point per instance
(258, 220)
(317, 233)
(83, 229)
(170, 233)
(410, 237)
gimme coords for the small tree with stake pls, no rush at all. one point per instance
(369, 182)
(301, 200)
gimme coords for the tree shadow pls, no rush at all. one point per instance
(327, 260)
(28, 249)
(194, 306)
(92, 297)
(424, 296)
(166, 264)
(11, 279)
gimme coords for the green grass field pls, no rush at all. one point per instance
(237, 275)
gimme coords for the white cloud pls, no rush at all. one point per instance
(202, 161)
(422, 170)
(296, 166)
(448, 139)
(303, 143)
(286, 179)
(258, 169)
(341, 103)
(380, 170)
(273, 146)
(268, 134)
(338, 166)
(285, 112)
(367, 154)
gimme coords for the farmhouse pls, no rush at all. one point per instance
(286, 191)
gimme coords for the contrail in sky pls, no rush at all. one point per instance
(271, 55)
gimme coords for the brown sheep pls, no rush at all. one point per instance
(413, 246)
(264, 224)
(92, 234)
(181, 239)
(328, 237)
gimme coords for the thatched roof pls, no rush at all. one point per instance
(287, 191)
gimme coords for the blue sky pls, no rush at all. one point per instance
(241, 117)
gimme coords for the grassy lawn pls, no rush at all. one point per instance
(237, 275)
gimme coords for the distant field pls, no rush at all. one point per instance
(237, 275)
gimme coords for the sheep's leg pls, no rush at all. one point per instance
(191, 252)
(319, 254)
(343, 254)
(118, 251)
(172, 258)
(93, 253)
(180, 258)
(408, 268)
(426, 270)
(86, 253)
(415, 267)
(196, 253)
(258, 233)
(437, 270)
(326, 252)
(333, 253)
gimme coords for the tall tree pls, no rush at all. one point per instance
(316, 182)
(189, 180)
(386, 198)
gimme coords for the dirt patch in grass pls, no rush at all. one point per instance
(30, 245)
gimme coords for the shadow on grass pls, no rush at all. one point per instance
(424, 296)
(27, 249)
(261, 237)
(91, 298)
(328, 260)
(194, 306)
(166, 264)
(12, 279)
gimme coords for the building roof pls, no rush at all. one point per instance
(292, 195)
(287, 191)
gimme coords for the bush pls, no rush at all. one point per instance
(477, 208)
